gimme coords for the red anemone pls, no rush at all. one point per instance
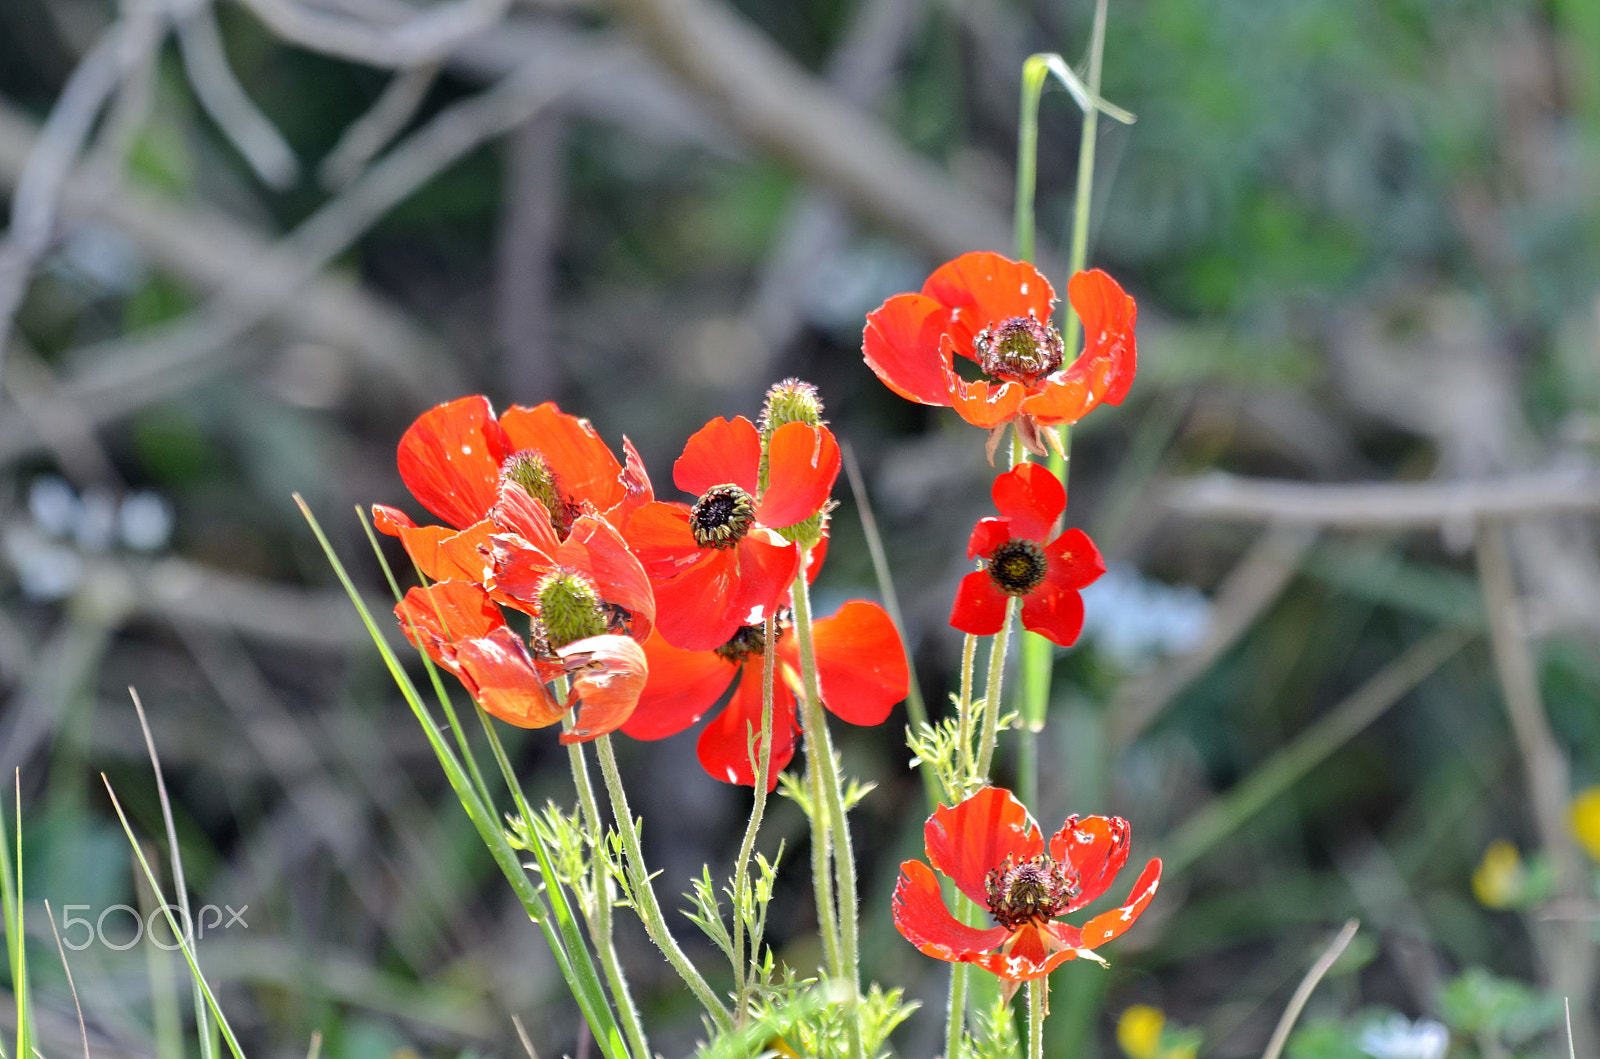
(861, 672)
(716, 565)
(996, 312)
(990, 847)
(1018, 561)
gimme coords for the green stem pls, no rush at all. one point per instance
(741, 866)
(969, 763)
(820, 756)
(644, 895)
(601, 927)
(1038, 991)
(957, 1015)
(991, 694)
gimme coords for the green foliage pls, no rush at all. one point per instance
(994, 1033)
(805, 1017)
(1497, 1009)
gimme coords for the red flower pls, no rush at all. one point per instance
(992, 850)
(463, 631)
(717, 566)
(456, 455)
(861, 672)
(997, 312)
(1018, 562)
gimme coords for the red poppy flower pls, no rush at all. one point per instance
(526, 558)
(717, 565)
(455, 456)
(462, 630)
(861, 672)
(992, 850)
(1018, 562)
(996, 312)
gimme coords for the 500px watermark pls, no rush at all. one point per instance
(124, 918)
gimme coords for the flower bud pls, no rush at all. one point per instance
(790, 401)
(569, 608)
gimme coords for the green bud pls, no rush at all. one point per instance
(790, 401)
(569, 608)
(530, 470)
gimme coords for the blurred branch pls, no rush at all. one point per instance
(1252, 586)
(121, 375)
(368, 134)
(209, 250)
(1420, 504)
(771, 99)
(413, 40)
(220, 93)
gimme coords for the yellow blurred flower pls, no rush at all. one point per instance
(1498, 880)
(1584, 817)
(1139, 1031)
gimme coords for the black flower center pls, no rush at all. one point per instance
(722, 517)
(747, 641)
(1029, 892)
(1018, 349)
(1018, 567)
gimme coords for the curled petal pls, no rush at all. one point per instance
(390, 520)
(966, 841)
(1032, 498)
(445, 555)
(1108, 925)
(596, 549)
(980, 607)
(983, 403)
(608, 674)
(446, 613)
(519, 512)
(583, 465)
(922, 919)
(450, 459)
(984, 288)
(861, 663)
(636, 487)
(1025, 966)
(802, 462)
(901, 346)
(730, 746)
(505, 681)
(1105, 368)
(722, 451)
(683, 685)
(1097, 848)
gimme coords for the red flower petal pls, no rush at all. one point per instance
(1025, 966)
(692, 608)
(767, 567)
(595, 548)
(983, 403)
(683, 685)
(1032, 498)
(802, 463)
(1053, 612)
(517, 511)
(861, 664)
(584, 466)
(1105, 368)
(445, 614)
(635, 485)
(901, 346)
(984, 288)
(725, 743)
(968, 840)
(450, 459)
(1108, 925)
(660, 537)
(1097, 848)
(987, 535)
(1073, 561)
(504, 680)
(980, 607)
(724, 450)
(608, 673)
(445, 555)
(390, 520)
(922, 918)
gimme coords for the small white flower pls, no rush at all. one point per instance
(1397, 1037)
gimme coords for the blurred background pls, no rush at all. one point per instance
(1344, 663)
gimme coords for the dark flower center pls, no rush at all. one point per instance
(750, 641)
(1018, 349)
(722, 517)
(1029, 892)
(532, 471)
(1018, 567)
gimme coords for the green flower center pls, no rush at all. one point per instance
(570, 608)
(1018, 567)
(722, 517)
(1029, 892)
(1018, 349)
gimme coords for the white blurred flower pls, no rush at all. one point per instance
(46, 569)
(53, 505)
(1133, 618)
(1397, 1037)
(96, 528)
(144, 521)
